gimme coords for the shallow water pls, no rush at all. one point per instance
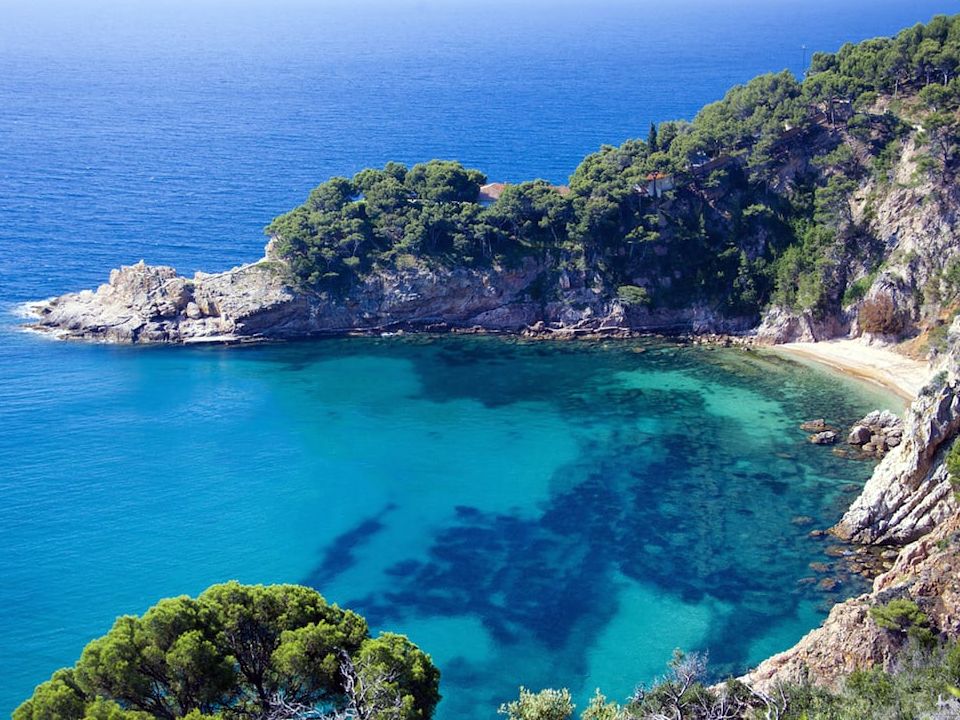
(529, 513)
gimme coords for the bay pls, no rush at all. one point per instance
(559, 515)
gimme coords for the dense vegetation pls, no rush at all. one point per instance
(239, 651)
(749, 203)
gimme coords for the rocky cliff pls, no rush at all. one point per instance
(909, 503)
(927, 571)
(153, 304)
(910, 491)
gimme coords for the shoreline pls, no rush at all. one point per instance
(898, 373)
(888, 369)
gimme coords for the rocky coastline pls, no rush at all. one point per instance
(908, 513)
(907, 504)
(257, 302)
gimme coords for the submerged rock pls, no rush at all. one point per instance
(828, 584)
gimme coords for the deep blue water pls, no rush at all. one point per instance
(447, 489)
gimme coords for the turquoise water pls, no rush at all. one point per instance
(537, 514)
(543, 514)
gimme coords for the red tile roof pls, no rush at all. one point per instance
(491, 192)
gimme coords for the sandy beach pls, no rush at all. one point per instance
(903, 375)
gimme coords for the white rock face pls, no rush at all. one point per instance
(783, 326)
(144, 303)
(909, 492)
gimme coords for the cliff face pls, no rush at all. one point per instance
(909, 493)
(152, 304)
(916, 225)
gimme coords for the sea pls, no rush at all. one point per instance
(545, 515)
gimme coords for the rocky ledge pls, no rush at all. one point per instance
(153, 304)
(926, 572)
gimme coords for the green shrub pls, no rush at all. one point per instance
(898, 615)
(547, 704)
(937, 382)
(951, 278)
(633, 295)
(937, 337)
(239, 651)
(857, 290)
(952, 461)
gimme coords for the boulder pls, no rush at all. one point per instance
(877, 432)
(827, 437)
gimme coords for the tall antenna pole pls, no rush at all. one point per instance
(804, 64)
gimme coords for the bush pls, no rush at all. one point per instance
(898, 615)
(935, 385)
(937, 337)
(951, 278)
(633, 295)
(953, 460)
(547, 704)
(879, 316)
(857, 290)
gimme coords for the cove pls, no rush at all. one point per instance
(545, 514)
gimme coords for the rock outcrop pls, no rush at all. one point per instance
(926, 571)
(876, 433)
(148, 304)
(779, 325)
(151, 304)
(909, 493)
